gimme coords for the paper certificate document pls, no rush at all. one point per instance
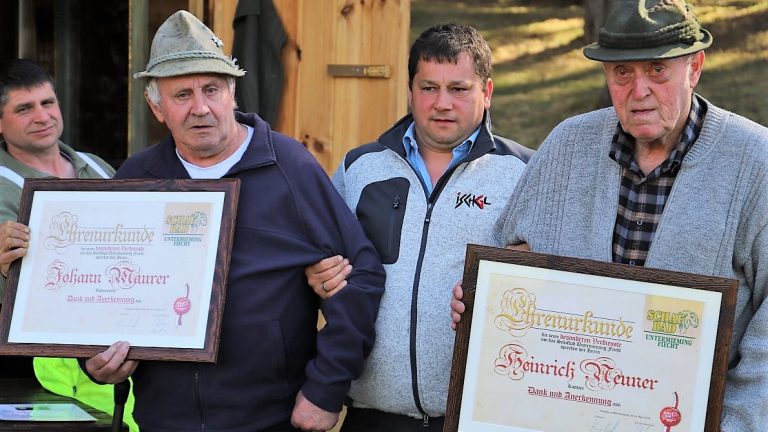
(107, 266)
(45, 412)
(565, 351)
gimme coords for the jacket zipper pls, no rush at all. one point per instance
(431, 199)
(392, 220)
(414, 314)
(198, 401)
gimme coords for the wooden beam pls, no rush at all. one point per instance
(138, 54)
(197, 8)
(288, 10)
(222, 17)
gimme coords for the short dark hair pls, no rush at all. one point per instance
(444, 42)
(20, 74)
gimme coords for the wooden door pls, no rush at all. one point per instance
(334, 97)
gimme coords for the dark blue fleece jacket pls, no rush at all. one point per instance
(289, 215)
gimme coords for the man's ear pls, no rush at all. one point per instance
(410, 98)
(155, 108)
(487, 92)
(697, 65)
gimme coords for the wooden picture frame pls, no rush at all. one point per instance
(551, 343)
(144, 261)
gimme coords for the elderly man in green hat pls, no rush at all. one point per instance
(275, 372)
(663, 179)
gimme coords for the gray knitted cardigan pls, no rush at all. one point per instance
(713, 224)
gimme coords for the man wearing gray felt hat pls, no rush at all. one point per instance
(184, 45)
(664, 178)
(275, 371)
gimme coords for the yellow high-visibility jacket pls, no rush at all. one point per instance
(63, 376)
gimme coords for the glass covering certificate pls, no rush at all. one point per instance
(129, 270)
(555, 350)
(104, 266)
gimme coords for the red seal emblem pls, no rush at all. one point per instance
(670, 416)
(182, 305)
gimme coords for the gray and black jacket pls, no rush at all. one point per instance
(422, 241)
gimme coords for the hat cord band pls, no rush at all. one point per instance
(187, 55)
(678, 33)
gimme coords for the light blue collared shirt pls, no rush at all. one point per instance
(414, 157)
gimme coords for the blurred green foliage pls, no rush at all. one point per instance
(540, 76)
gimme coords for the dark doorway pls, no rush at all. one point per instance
(84, 45)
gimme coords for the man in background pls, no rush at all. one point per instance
(31, 126)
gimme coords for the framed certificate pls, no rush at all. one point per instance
(550, 344)
(144, 261)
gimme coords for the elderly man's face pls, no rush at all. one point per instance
(652, 99)
(198, 110)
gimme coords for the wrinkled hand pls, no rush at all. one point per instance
(14, 241)
(328, 276)
(310, 417)
(457, 306)
(110, 366)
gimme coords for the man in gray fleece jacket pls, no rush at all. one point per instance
(664, 179)
(437, 180)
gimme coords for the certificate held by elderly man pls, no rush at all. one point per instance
(556, 344)
(138, 260)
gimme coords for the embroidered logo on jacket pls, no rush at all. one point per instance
(471, 200)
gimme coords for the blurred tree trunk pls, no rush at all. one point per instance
(595, 13)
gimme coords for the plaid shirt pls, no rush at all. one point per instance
(642, 198)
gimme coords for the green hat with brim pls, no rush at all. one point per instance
(648, 30)
(182, 46)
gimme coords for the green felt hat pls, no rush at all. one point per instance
(639, 30)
